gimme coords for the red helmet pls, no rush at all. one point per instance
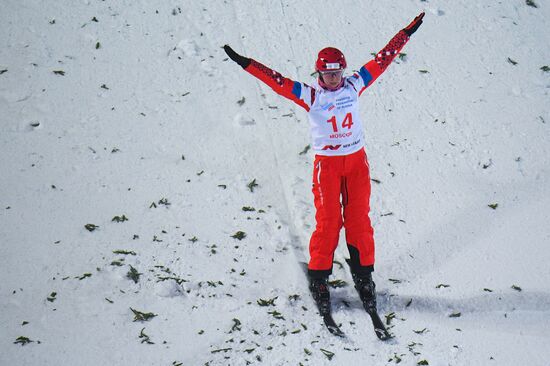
(330, 59)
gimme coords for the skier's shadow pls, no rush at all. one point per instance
(487, 302)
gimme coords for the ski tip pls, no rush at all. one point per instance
(336, 331)
(332, 327)
(383, 334)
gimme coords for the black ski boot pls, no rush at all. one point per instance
(321, 295)
(366, 288)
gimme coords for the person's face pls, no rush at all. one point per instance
(332, 78)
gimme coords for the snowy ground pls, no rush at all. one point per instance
(131, 110)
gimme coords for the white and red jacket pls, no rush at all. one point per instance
(336, 127)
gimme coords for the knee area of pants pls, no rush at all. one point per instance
(359, 227)
(329, 227)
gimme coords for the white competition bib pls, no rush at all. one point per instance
(336, 127)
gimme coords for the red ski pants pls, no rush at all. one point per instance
(341, 189)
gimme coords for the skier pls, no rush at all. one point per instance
(341, 180)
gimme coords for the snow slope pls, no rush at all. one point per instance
(130, 109)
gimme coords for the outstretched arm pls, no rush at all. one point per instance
(299, 93)
(374, 68)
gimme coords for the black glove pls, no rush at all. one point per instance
(411, 28)
(241, 60)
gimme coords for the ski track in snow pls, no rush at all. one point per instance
(132, 108)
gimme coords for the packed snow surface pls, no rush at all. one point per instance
(155, 200)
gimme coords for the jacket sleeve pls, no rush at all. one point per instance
(300, 93)
(374, 68)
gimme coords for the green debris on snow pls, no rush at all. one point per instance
(141, 316)
(91, 227)
(327, 353)
(133, 274)
(268, 302)
(22, 340)
(119, 218)
(252, 185)
(239, 235)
